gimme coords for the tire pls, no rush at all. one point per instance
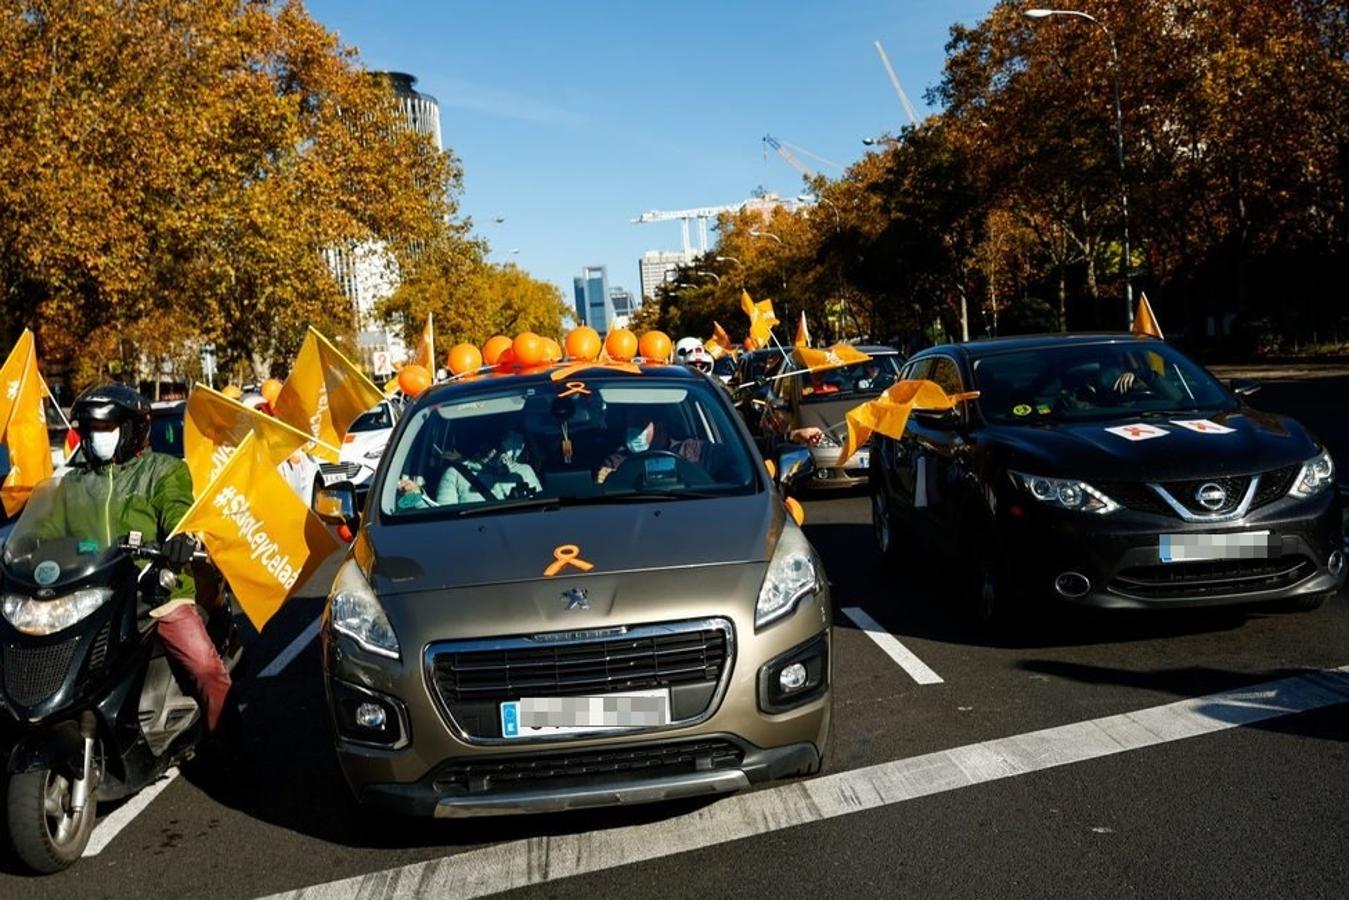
(45, 837)
(987, 583)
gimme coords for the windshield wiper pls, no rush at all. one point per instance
(478, 509)
(661, 495)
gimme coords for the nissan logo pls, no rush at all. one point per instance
(1211, 496)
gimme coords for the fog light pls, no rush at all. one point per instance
(370, 715)
(1336, 562)
(822, 474)
(1072, 585)
(792, 678)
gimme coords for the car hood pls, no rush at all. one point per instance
(1258, 442)
(362, 442)
(446, 554)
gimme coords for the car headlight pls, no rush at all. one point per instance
(354, 610)
(828, 440)
(1065, 493)
(41, 617)
(1316, 475)
(374, 454)
(791, 576)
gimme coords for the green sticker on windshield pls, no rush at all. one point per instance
(1044, 409)
(87, 547)
(1021, 409)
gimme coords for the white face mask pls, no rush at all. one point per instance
(639, 439)
(104, 443)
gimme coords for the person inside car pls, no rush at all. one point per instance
(494, 471)
(872, 378)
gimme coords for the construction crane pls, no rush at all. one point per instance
(784, 149)
(701, 214)
(894, 80)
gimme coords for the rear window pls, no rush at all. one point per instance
(596, 441)
(166, 433)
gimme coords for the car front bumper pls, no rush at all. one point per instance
(829, 475)
(1115, 560)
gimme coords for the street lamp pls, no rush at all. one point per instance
(877, 141)
(809, 198)
(710, 275)
(729, 259)
(754, 232)
(1119, 147)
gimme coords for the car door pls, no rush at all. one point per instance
(895, 464)
(937, 452)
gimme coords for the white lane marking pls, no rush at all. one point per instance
(121, 817)
(536, 860)
(902, 655)
(287, 656)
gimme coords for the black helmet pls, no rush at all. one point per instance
(120, 405)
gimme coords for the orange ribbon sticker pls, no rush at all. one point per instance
(567, 555)
(574, 388)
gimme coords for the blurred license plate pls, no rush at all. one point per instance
(536, 716)
(330, 478)
(1198, 547)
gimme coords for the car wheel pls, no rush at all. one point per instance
(987, 583)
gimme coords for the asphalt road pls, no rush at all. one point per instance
(1184, 807)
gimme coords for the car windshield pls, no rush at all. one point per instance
(58, 538)
(527, 443)
(1073, 382)
(166, 432)
(864, 379)
(376, 419)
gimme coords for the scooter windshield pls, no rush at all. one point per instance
(61, 535)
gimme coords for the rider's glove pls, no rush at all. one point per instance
(178, 549)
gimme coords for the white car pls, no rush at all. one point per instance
(363, 445)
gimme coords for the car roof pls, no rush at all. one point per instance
(989, 346)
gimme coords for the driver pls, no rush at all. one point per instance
(121, 487)
(494, 470)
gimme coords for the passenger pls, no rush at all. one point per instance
(497, 472)
(872, 379)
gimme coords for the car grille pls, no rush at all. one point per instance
(688, 658)
(647, 761)
(32, 674)
(1231, 577)
(347, 470)
(1137, 495)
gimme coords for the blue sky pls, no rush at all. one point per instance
(573, 118)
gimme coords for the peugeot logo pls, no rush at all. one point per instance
(1211, 496)
(576, 598)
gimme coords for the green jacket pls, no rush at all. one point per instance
(149, 494)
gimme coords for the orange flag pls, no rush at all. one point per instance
(214, 425)
(719, 344)
(802, 332)
(1145, 323)
(324, 394)
(829, 358)
(23, 427)
(889, 413)
(259, 533)
(425, 355)
(761, 318)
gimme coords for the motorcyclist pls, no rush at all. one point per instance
(121, 487)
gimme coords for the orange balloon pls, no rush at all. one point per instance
(495, 346)
(270, 390)
(654, 346)
(413, 380)
(583, 343)
(529, 349)
(464, 358)
(506, 361)
(552, 350)
(233, 391)
(621, 345)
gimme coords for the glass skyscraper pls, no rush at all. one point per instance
(593, 306)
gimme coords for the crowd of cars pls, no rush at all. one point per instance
(565, 592)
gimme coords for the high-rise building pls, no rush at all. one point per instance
(654, 265)
(593, 306)
(624, 304)
(366, 271)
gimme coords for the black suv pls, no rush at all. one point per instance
(1108, 471)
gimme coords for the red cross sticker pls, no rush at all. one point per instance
(1202, 426)
(1138, 431)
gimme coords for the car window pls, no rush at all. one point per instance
(864, 379)
(918, 369)
(166, 433)
(1095, 381)
(946, 374)
(598, 441)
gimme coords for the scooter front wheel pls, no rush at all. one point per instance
(47, 836)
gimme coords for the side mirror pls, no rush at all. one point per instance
(938, 419)
(794, 464)
(1244, 387)
(335, 504)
